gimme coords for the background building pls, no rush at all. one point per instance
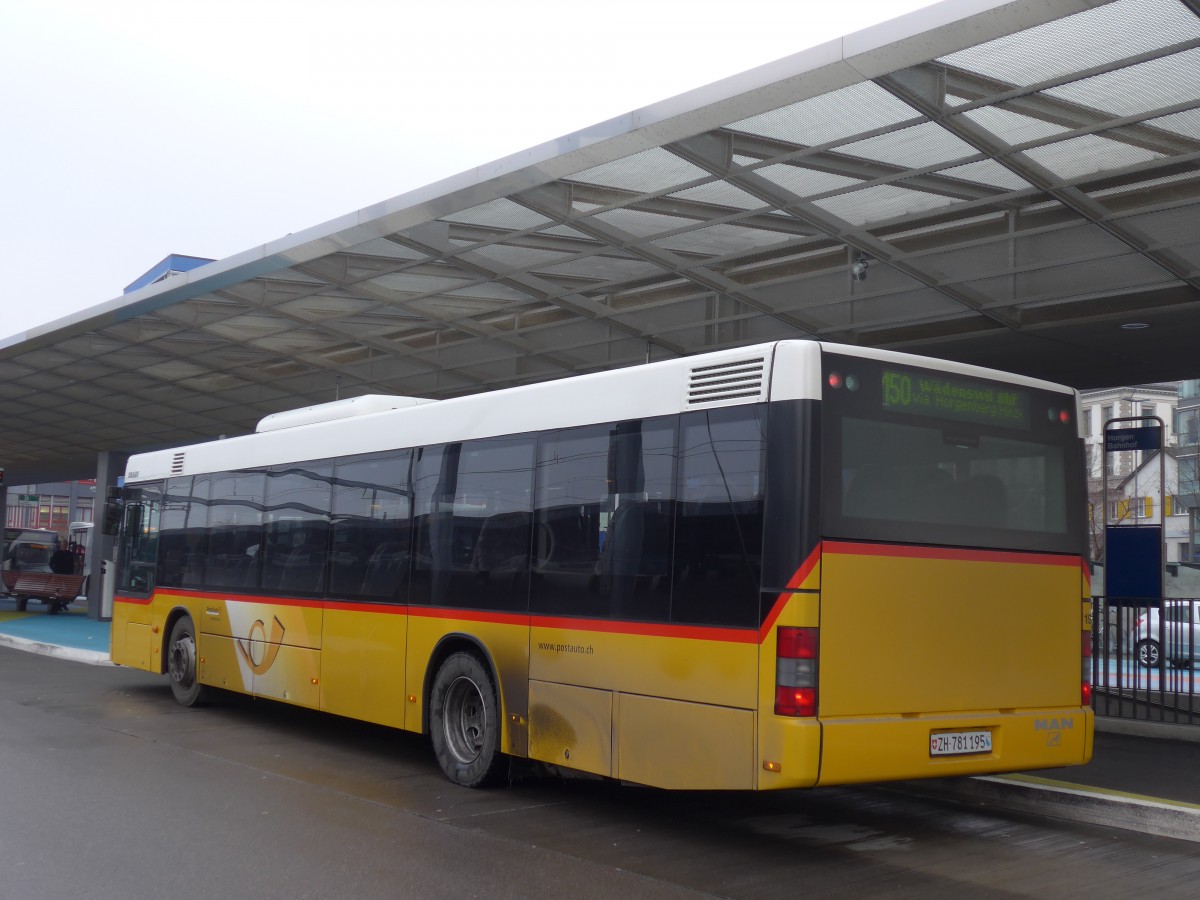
(50, 506)
(1187, 426)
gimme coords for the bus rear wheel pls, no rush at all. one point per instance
(464, 722)
(181, 663)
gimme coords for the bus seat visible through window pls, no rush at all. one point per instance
(386, 570)
(984, 501)
(873, 493)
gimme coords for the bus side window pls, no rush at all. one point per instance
(473, 502)
(173, 536)
(719, 529)
(371, 527)
(603, 529)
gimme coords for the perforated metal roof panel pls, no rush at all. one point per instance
(1012, 180)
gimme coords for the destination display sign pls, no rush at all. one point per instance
(956, 399)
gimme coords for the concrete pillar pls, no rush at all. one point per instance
(3, 519)
(110, 472)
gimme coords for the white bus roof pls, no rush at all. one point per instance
(784, 370)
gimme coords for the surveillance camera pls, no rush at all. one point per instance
(859, 270)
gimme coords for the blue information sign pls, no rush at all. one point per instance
(1133, 568)
(1148, 437)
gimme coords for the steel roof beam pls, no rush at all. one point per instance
(1038, 175)
(973, 86)
(425, 238)
(670, 205)
(554, 201)
(868, 171)
(714, 153)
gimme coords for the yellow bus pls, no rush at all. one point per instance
(779, 566)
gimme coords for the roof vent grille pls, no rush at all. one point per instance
(732, 380)
(177, 463)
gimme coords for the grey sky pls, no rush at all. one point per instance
(138, 128)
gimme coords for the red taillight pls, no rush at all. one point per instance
(795, 701)
(796, 643)
(796, 651)
(1085, 652)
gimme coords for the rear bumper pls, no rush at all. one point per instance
(898, 748)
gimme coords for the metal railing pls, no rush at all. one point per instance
(1144, 656)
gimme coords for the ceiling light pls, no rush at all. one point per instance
(1134, 326)
(858, 271)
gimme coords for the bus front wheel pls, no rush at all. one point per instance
(464, 722)
(181, 663)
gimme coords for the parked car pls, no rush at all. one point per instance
(1173, 634)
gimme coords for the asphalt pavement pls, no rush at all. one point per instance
(1144, 775)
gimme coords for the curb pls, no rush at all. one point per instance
(1148, 729)
(1073, 802)
(91, 657)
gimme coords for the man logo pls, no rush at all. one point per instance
(1054, 724)
(1055, 729)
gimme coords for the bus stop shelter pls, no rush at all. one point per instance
(1013, 184)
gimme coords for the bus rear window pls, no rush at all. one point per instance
(996, 474)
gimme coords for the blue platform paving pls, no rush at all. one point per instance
(68, 635)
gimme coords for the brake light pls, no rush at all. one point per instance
(1085, 687)
(796, 655)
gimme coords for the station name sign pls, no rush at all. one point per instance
(1147, 437)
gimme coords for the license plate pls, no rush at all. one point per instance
(953, 743)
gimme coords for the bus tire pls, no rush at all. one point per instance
(464, 722)
(181, 663)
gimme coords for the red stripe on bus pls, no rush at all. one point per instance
(797, 581)
(133, 601)
(469, 615)
(242, 598)
(387, 609)
(649, 629)
(794, 584)
(954, 553)
(652, 629)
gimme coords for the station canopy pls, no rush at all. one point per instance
(1013, 184)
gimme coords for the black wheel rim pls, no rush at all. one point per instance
(464, 720)
(182, 661)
